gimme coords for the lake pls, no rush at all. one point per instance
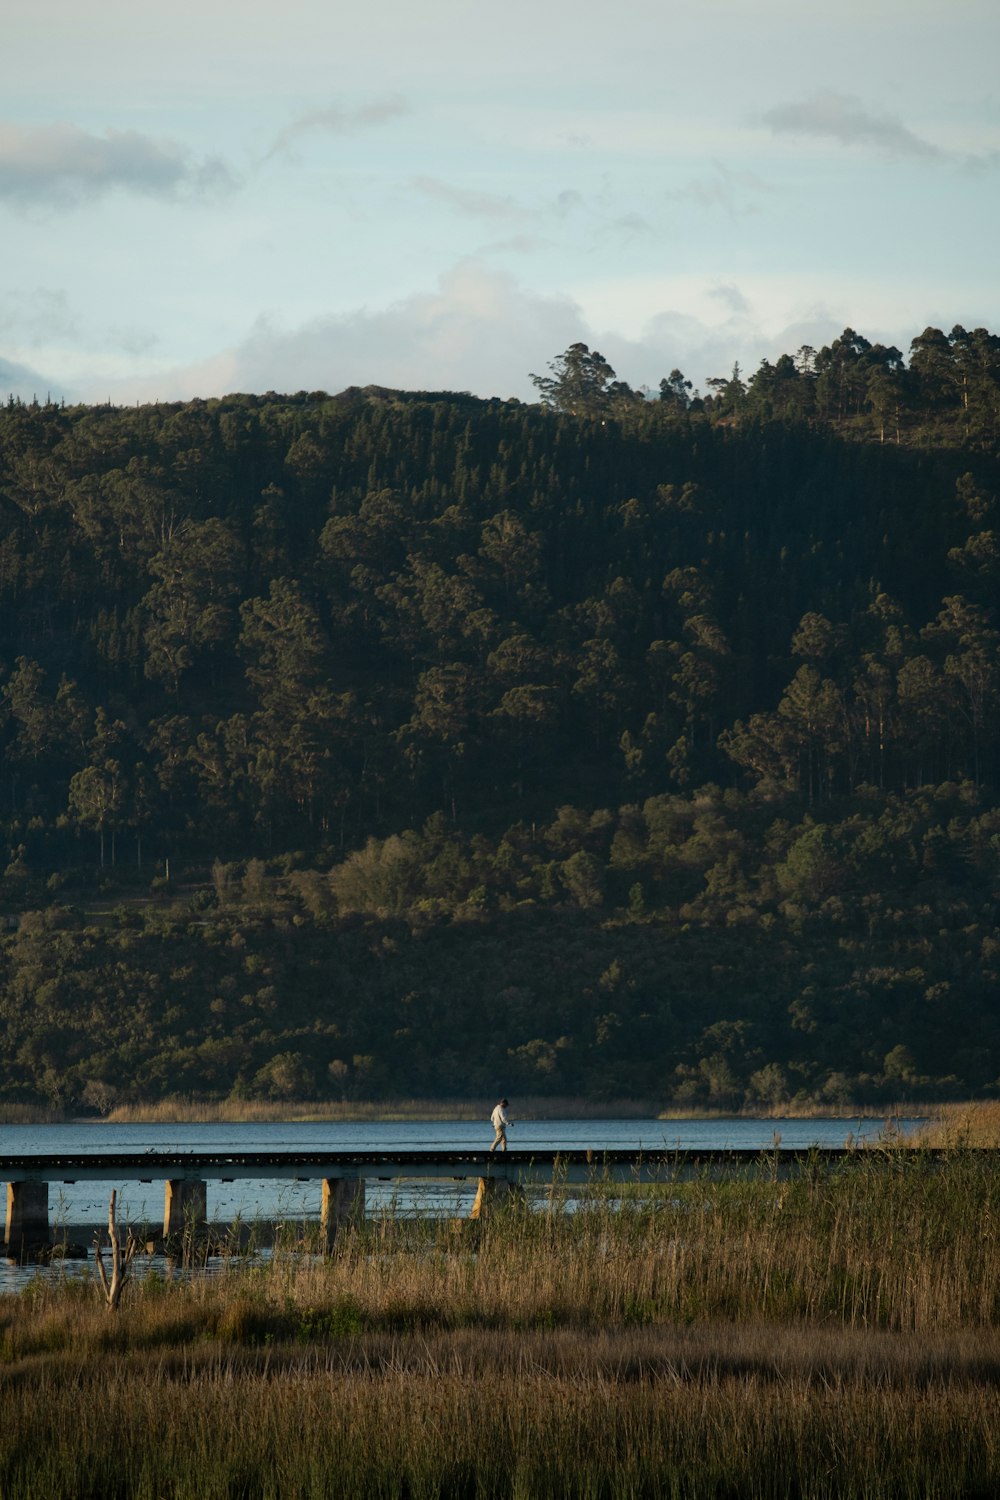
(86, 1203)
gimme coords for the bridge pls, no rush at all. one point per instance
(342, 1175)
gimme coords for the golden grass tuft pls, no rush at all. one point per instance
(975, 1123)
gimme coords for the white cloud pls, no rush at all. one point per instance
(478, 331)
(63, 165)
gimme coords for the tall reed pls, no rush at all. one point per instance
(973, 1123)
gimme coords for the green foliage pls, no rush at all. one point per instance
(340, 727)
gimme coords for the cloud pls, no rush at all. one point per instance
(479, 330)
(62, 165)
(131, 339)
(514, 244)
(335, 121)
(982, 161)
(843, 118)
(27, 383)
(479, 205)
(467, 201)
(630, 226)
(37, 317)
(730, 297)
(726, 189)
(567, 201)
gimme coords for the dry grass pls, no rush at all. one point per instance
(174, 1111)
(828, 1336)
(416, 1432)
(28, 1114)
(966, 1124)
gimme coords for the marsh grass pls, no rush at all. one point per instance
(975, 1123)
(28, 1114)
(835, 1334)
(184, 1111)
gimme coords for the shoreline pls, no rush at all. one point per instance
(185, 1112)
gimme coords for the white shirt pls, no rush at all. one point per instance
(498, 1118)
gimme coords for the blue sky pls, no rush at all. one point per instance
(222, 195)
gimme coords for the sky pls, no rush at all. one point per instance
(231, 195)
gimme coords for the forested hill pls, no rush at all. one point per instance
(411, 744)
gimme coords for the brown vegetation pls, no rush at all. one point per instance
(831, 1335)
(175, 1110)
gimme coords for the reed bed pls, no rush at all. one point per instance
(28, 1114)
(975, 1123)
(833, 1335)
(187, 1111)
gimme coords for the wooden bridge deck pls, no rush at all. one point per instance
(577, 1165)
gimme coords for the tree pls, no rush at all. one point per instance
(675, 391)
(580, 383)
(121, 1257)
(932, 361)
(516, 554)
(781, 390)
(52, 729)
(295, 732)
(842, 372)
(191, 611)
(96, 796)
(971, 665)
(442, 725)
(729, 395)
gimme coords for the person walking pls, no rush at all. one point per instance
(499, 1121)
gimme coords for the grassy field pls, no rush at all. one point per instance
(835, 1335)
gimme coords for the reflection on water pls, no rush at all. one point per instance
(86, 1203)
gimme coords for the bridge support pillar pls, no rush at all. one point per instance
(494, 1193)
(343, 1203)
(185, 1206)
(27, 1216)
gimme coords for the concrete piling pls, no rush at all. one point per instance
(343, 1203)
(27, 1216)
(494, 1193)
(185, 1206)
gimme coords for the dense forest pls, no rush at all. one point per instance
(395, 743)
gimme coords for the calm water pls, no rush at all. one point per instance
(86, 1203)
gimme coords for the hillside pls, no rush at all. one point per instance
(406, 743)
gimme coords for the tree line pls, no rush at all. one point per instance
(949, 387)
